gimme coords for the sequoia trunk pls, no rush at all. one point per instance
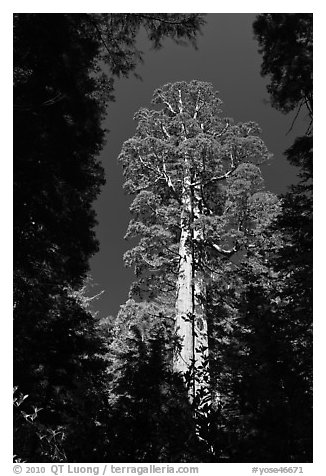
(191, 357)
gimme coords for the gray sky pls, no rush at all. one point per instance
(228, 57)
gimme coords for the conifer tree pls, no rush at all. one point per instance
(199, 204)
(286, 44)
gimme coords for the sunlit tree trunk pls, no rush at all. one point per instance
(200, 327)
(185, 304)
(185, 297)
(191, 357)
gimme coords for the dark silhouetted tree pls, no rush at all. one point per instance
(286, 44)
(151, 419)
(61, 94)
(280, 410)
(262, 333)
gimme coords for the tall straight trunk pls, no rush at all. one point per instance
(200, 329)
(184, 300)
(200, 316)
(191, 322)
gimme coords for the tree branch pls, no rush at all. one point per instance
(168, 104)
(223, 131)
(180, 102)
(49, 102)
(197, 107)
(163, 175)
(165, 132)
(153, 266)
(219, 177)
(223, 251)
(152, 17)
(175, 253)
(147, 166)
(93, 22)
(295, 117)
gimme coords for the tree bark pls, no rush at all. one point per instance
(184, 301)
(191, 358)
(184, 305)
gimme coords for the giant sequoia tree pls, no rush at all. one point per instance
(199, 204)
